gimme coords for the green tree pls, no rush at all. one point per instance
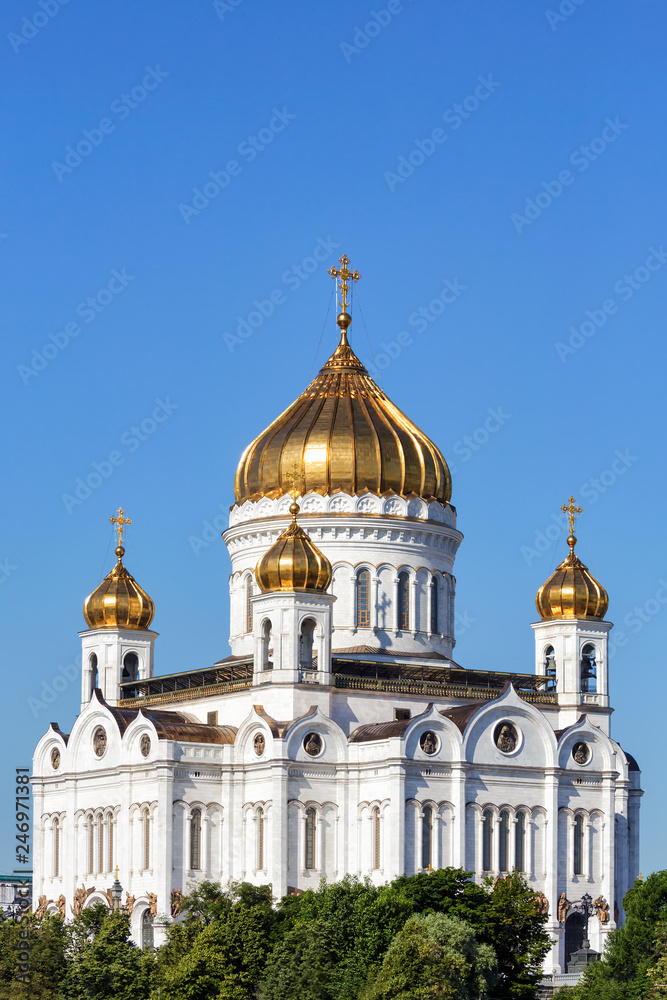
(102, 961)
(434, 956)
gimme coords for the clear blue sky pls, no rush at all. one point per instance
(540, 199)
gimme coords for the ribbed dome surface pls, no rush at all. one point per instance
(119, 601)
(344, 434)
(293, 562)
(572, 591)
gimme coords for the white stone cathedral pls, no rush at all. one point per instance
(340, 735)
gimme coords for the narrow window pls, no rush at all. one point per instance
(504, 838)
(588, 669)
(91, 844)
(93, 672)
(427, 838)
(147, 839)
(56, 847)
(435, 596)
(248, 605)
(310, 838)
(579, 845)
(100, 843)
(487, 840)
(260, 839)
(404, 600)
(376, 838)
(146, 929)
(550, 669)
(266, 645)
(520, 841)
(195, 840)
(363, 599)
(110, 841)
(306, 644)
(130, 667)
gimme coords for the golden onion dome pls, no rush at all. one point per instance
(293, 562)
(572, 591)
(119, 601)
(343, 433)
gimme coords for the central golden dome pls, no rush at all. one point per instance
(343, 433)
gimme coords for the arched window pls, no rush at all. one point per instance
(579, 845)
(550, 668)
(91, 845)
(146, 929)
(403, 600)
(487, 840)
(92, 663)
(248, 604)
(504, 840)
(267, 636)
(376, 838)
(110, 841)
(195, 840)
(56, 847)
(520, 841)
(435, 597)
(100, 843)
(147, 838)
(306, 644)
(310, 838)
(130, 667)
(427, 838)
(363, 599)
(260, 840)
(588, 669)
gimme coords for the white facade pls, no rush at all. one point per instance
(340, 738)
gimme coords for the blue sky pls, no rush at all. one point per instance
(169, 172)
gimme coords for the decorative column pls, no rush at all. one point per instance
(609, 837)
(437, 850)
(552, 927)
(392, 828)
(205, 846)
(495, 826)
(530, 833)
(319, 843)
(163, 854)
(458, 832)
(276, 862)
(479, 838)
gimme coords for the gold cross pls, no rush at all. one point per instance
(116, 873)
(345, 276)
(571, 510)
(120, 523)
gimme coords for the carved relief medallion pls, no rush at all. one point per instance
(428, 742)
(55, 758)
(99, 741)
(581, 753)
(145, 745)
(506, 737)
(259, 743)
(312, 744)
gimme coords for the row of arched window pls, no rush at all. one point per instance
(99, 838)
(587, 669)
(502, 831)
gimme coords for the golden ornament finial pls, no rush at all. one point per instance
(292, 477)
(345, 275)
(116, 873)
(571, 510)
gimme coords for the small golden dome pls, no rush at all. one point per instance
(343, 433)
(293, 562)
(119, 601)
(572, 591)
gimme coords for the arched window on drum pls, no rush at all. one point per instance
(363, 599)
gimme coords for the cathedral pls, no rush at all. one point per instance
(341, 735)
